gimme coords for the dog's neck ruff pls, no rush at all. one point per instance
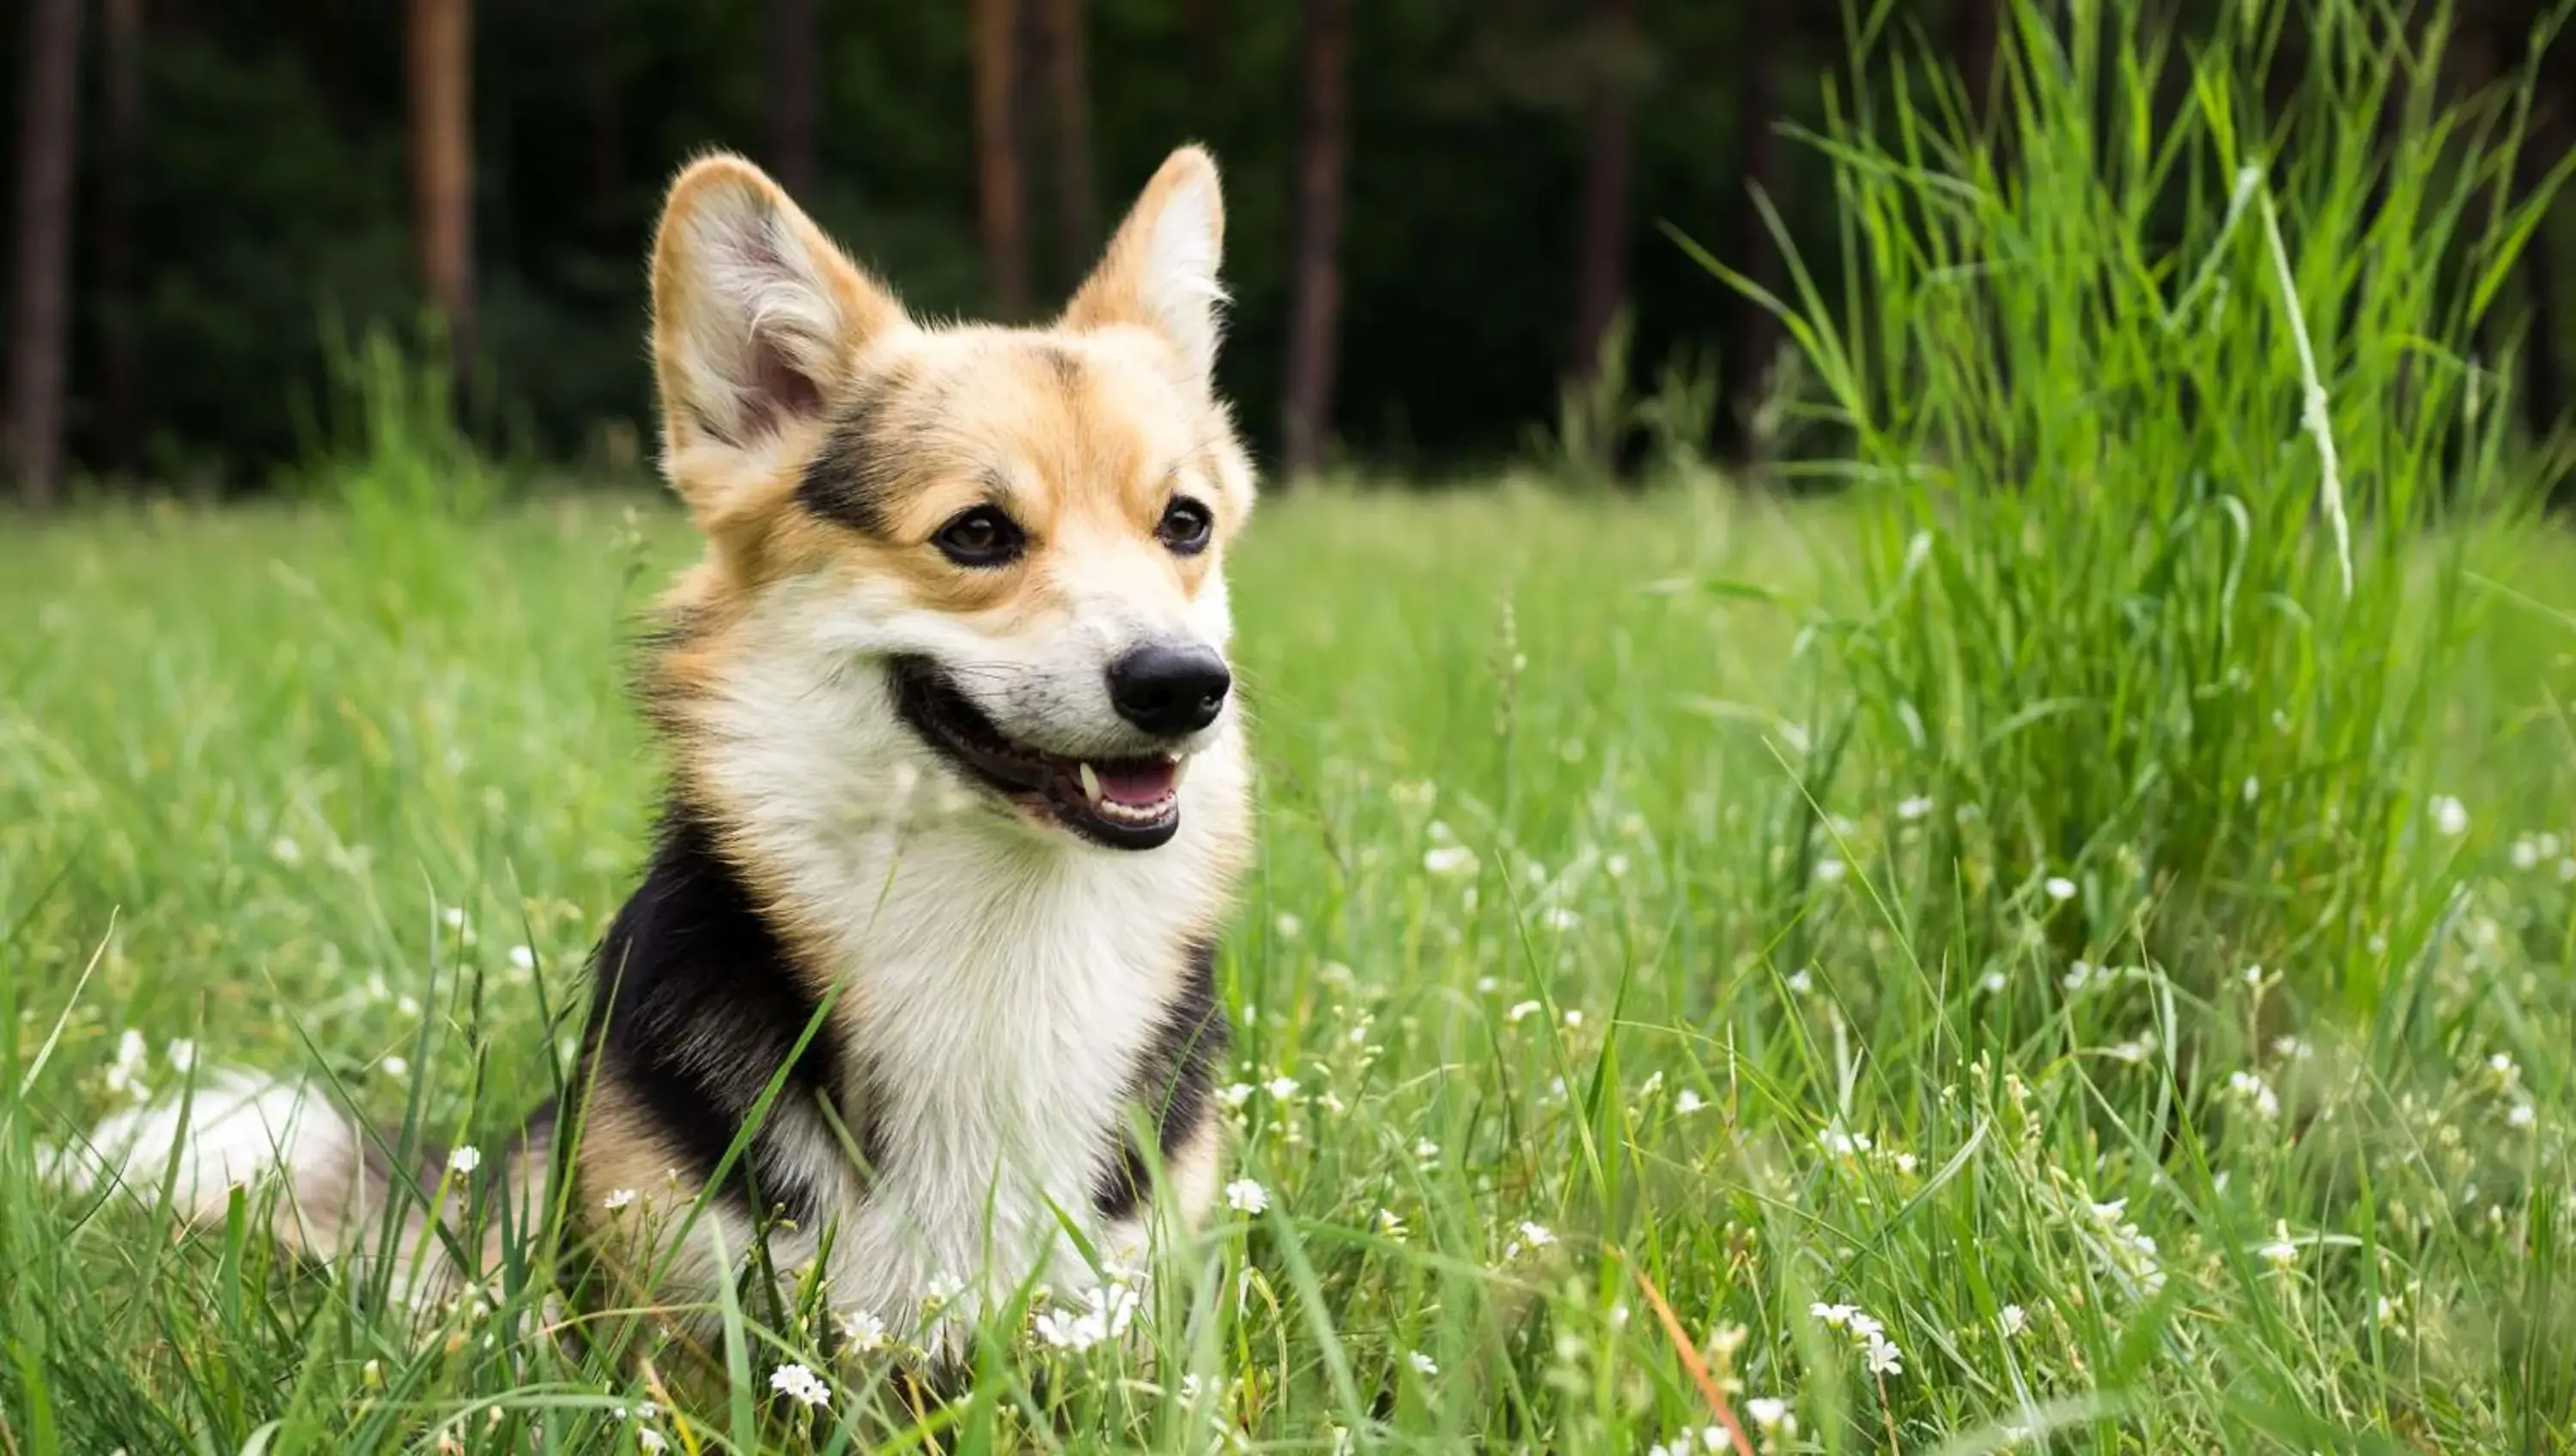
(991, 999)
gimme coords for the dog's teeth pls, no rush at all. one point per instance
(1180, 771)
(1091, 785)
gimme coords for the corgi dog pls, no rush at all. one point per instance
(918, 982)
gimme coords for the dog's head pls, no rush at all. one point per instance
(1007, 540)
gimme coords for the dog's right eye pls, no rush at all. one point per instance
(983, 536)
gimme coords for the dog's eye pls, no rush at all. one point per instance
(983, 536)
(1185, 526)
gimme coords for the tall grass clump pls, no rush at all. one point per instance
(2160, 371)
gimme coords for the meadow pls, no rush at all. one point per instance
(2064, 942)
(1568, 972)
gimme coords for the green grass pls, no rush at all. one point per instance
(2099, 899)
(251, 757)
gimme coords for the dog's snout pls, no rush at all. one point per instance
(1169, 688)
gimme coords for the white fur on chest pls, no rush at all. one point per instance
(996, 983)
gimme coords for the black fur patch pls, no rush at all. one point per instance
(695, 1008)
(1173, 1079)
(855, 477)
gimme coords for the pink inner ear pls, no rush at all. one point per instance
(778, 391)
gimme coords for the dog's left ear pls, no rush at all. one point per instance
(1160, 272)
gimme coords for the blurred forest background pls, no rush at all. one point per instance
(1444, 214)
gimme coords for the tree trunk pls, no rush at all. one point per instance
(119, 361)
(1745, 357)
(998, 175)
(1315, 284)
(1601, 256)
(439, 55)
(2544, 399)
(790, 92)
(1205, 21)
(1069, 101)
(604, 120)
(39, 329)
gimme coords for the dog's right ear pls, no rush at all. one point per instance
(757, 319)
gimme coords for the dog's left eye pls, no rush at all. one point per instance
(984, 536)
(1185, 526)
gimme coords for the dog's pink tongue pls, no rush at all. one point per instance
(1137, 781)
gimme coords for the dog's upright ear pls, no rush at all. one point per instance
(757, 323)
(1160, 272)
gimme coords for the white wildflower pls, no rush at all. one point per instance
(2521, 1115)
(1830, 870)
(465, 1159)
(801, 1385)
(1236, 1094)
(2256, 1093)
(1536, 1235)
(1281, 1087)
(1842, 1143)
(1112, 1309)
(1449, 861)
(617, 1198)
(1882, 1357)
(2059, 888)
(1992, 982)
(1913, 808)
(863, 1329)
(523, 957)
(182, 1054)
(2450, 816)
(1801, 981)
(2013, 1319)
(1560, 918)
(1686, 1102)
(651, 1441)
(1521, 1011)
(1836, 1315)
(1243, 1195)
(2280, 1253)
(285, 851)
(125, 1074)
(1289, 926)
(1422, 1364)
(1771, 1414)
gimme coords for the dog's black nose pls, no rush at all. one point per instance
(1169, 689)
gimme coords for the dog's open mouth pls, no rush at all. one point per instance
(1125, 803)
